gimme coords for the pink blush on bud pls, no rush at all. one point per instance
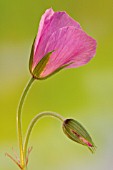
(85, 141)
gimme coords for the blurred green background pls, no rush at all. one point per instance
(85, 93)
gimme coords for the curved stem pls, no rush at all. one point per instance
(19, 124)
(33, 122)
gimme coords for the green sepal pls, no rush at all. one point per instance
(31, 56)
(56, 71)
(41, 65)
(76, 132)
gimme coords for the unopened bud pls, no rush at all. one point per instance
(76, 132)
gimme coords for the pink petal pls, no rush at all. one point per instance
(43, 24)
(70, 45)
(50, 22)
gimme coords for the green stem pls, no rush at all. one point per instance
(33, 122)
(19, 124)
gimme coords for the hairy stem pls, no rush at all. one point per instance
(34, 121)
(19, 121)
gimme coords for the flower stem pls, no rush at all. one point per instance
(33, 122)
(19, 122)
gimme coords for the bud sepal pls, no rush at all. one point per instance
(76, 132)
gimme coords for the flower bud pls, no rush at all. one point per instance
(76, 132)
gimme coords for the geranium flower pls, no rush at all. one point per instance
(60, 43)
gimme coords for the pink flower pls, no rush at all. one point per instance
(60, 43)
